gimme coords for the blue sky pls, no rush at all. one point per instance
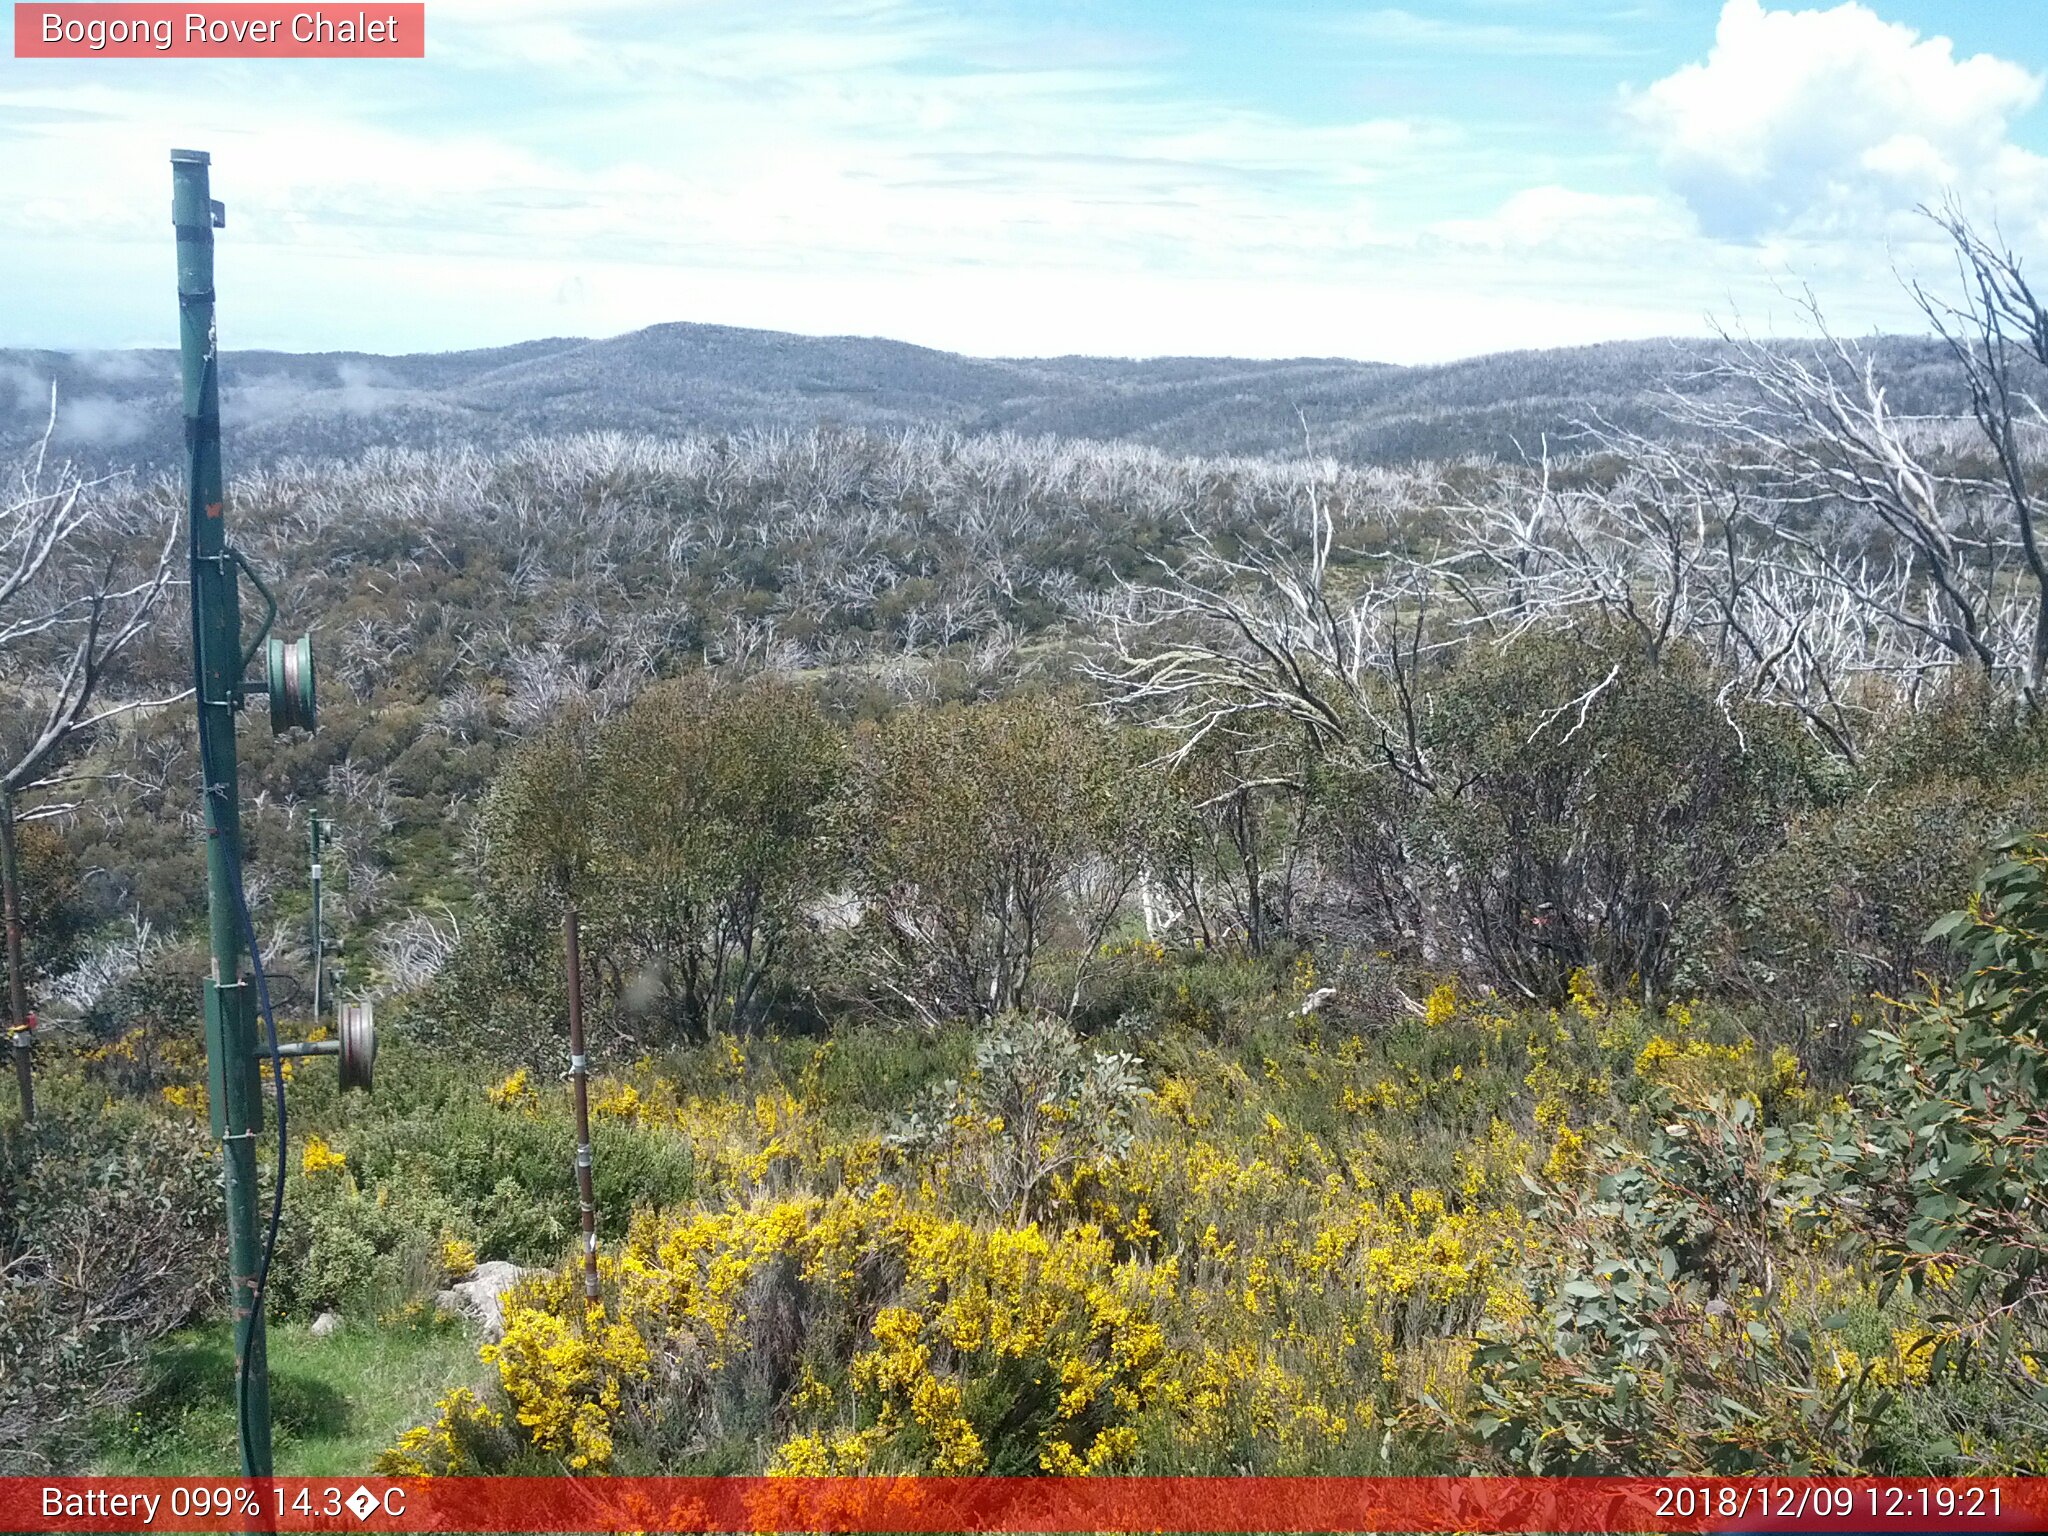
(1408, 182)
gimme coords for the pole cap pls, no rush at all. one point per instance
(190, 157)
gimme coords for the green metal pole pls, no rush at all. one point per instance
(319, 954)
(235, 1088)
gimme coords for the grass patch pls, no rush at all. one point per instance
(335, 1402)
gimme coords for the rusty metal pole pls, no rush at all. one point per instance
(17, 990)
(579, 1087)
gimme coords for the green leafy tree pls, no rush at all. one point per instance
(695, 834)
(57, 915)
(1842, 910)
(715, 835)
(1582, 808)
(503, 990)
(988, 833)
(1231, 851)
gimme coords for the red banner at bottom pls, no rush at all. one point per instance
(940, 1504)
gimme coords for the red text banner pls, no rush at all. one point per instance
(941, 1504)
(220, 31)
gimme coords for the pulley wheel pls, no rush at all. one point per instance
(290, 667)
(358, 1044)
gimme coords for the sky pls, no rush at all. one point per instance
(1405, 183)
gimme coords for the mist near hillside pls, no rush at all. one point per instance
(120, 409)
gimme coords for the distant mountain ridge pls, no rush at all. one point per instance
(120, 408)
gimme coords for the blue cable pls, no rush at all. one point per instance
(217, 792)
(277, 1184)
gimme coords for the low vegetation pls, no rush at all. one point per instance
(1098, 962)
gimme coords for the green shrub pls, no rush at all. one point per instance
(988, 835)
(144, 1030)
(109, 1238)
(1583, 809)
(715, 836)
(56, 912)
(431, 1157)
(1032, 1106)
(1947, 1153)
(1839, 916)
(1664, 1343)
(696, 833)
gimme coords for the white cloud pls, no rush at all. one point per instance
(30, 389)
(1396, 27)
(1565, 221)
(120, 367)
(365, 388)
(894, 139)
(934, 172)
(1834, 120)
(100, 420)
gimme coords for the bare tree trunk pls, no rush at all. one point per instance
(17, 990)
(1245, 826)
(579, 1088)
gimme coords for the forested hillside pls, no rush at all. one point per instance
(1188, 950)
(121, 408)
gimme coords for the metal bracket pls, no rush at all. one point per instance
(228, 1009)
(241, 561)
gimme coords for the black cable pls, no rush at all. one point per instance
(224, 814)
(277, 1184)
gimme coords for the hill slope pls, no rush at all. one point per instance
(121, 407)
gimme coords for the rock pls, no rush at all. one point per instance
(1316, 999)
(326, 1325)
(479, 1296)
(449, 1304)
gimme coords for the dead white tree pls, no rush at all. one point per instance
(1847, 498)
(1833, 555)
(1838, 485)
(410, 952)
(1254, 663)
(81, 574)
(1544, 550)
(1998, 334)
(1260, 638)
(1659, 542)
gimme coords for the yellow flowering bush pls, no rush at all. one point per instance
(465, 1435)
(319, 1157)
(190, 1098)
(562, 1373)
(1693, 1069)
(1442, 1005)
(1254, 1278)
(922, 1310)
(912, 1338)
(458, 1258)
(514, 1090)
